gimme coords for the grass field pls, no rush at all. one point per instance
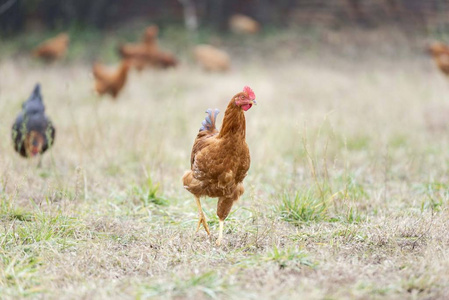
(347, 194)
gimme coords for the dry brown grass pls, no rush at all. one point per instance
(347, 195)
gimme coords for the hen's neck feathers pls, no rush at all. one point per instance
(123, 71)
(234, 124)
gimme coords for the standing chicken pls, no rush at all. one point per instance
(110, 81)
(220, 160)
(54, 48)
(32, 132)
(137, 53)
(148, 53)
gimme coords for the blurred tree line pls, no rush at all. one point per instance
(20, 15)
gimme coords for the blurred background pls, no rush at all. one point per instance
(294, 24)
(17, 16)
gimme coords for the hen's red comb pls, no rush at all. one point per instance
(250, 92)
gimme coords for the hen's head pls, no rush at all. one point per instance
(34, 142)
(245, 99)
(151, 33)
(64, 37)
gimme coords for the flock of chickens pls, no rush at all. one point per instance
(146, 54)
(219, 161)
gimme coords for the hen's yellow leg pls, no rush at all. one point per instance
(202, 219)
(220, 232)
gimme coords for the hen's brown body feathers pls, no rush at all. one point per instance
(163, 59)
(53, 48)
(110, 81)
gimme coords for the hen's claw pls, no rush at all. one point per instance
(203, 221)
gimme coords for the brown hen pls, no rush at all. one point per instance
(110, 81)
(220, 160)
(212, 59)
(54, 48)
(148, 53)
(137, 53)
(243, 24)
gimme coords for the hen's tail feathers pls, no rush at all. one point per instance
(36, 94)
(209, 122)
(37, 90)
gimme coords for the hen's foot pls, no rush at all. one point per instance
(203, 221)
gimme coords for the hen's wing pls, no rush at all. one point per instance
(16, 134)
(207, 131)
(49, 134)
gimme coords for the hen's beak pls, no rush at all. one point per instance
(253, 102)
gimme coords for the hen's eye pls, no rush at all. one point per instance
(241, 97)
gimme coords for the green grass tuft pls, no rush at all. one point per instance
(304, 206)
(149, 194)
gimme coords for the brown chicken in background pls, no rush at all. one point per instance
(110, 81)
(54, 48)
(440, 54)
(137, 54)
(148, 53)
(220, 160)
(212, 59)
(243, 24)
